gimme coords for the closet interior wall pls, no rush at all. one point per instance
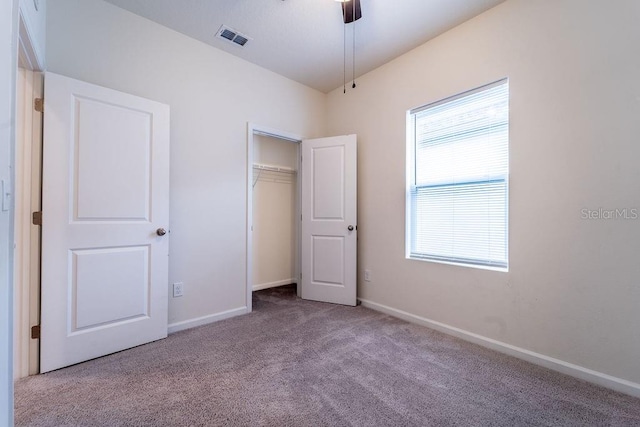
(275, 179)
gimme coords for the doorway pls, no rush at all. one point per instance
(273, 206)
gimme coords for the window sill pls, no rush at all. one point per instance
(460, 264)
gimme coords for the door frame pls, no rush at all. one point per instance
(28, 191)
(8, 81)
(27, 236)
(254, 129)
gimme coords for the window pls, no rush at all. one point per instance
(457, 185)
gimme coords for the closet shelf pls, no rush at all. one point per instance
(272, 168)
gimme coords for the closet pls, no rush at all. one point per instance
(275, 209)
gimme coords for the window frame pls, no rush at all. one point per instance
(411, 187)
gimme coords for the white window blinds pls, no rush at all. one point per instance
(458, 178)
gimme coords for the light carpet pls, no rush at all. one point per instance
(301, 363)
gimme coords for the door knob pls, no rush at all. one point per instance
(161, 231)
(350, 228)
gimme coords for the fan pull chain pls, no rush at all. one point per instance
(344, 59)
(353, 86)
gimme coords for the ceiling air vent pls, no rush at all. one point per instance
(232, 36)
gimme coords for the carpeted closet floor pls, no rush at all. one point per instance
(301, 363)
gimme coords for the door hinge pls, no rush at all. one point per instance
(38, 104)
(35, 332)
(36, 218)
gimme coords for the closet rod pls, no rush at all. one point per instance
(273, 135)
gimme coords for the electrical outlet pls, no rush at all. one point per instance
(178, 289)
(367, 275)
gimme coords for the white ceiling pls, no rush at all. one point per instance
(303, 39)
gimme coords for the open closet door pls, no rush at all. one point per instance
(329, 213)
(105, 216)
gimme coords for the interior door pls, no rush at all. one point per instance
(105, 204)
(329, 213)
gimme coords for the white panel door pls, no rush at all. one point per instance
(329, 235)
(105, 204)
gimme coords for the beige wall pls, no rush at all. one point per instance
(212, 97)
(573, 290)
(274, 211)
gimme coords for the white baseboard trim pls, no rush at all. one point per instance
(204, 320)
(608, 381)
(262, 286)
